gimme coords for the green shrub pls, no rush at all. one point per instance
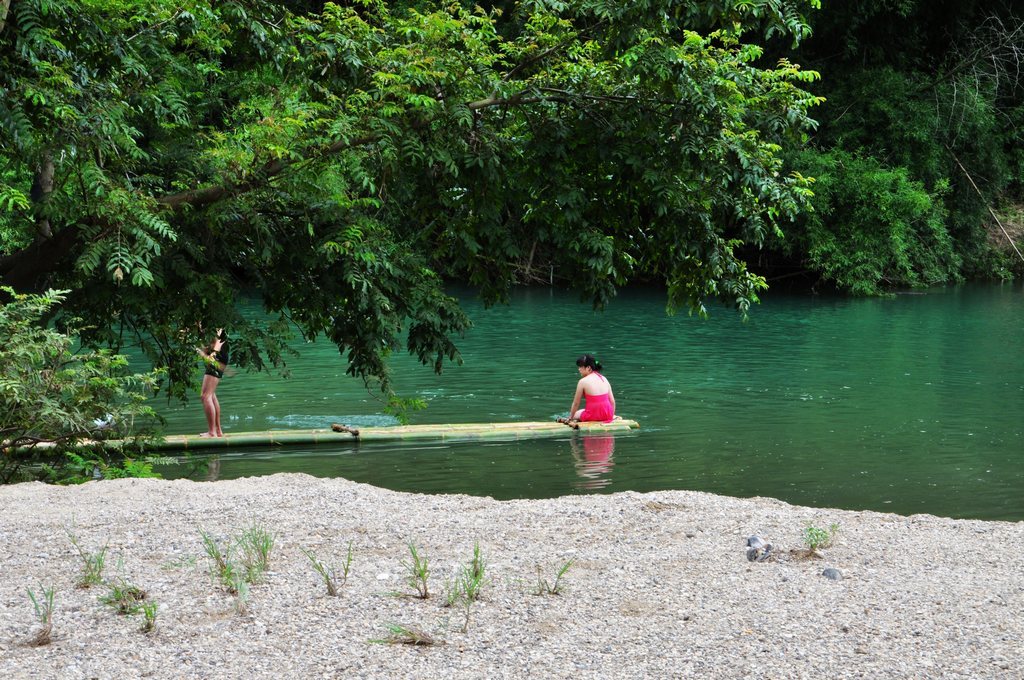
(54, 397)
(873, 228)
(816, 538)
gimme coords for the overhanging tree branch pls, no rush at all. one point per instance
(199, 198)
(22, 269)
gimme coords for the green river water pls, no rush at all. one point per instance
(907, 404)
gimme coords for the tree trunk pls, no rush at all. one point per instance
(4, 6)
(29, 269)
(42, 187)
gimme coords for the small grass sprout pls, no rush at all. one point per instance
(149, 611)
(545, 588)
(213, 551)
(241, 591)
(418, 570)
(255, 544)
(221, 566)
(42, 604)
(92, 563)
(124, 597)
(452, 591)
(475, 574)
(328, 574)
(405, 635)
(468, 581)
(465, 587)
(462, 593)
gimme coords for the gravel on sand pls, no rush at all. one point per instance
(659, 586)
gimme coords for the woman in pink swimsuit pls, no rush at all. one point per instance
(600, 402)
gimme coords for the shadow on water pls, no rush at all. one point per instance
(906, 404)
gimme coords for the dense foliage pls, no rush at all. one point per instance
(53, 398)
(159, 158)
(918, 140)
(873, 228)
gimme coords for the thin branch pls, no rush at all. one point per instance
(534, 59)
(990, 211)
(537, 57)
(156, 25)
(515, 100)
(992, 42)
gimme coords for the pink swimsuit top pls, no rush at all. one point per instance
(598, 407)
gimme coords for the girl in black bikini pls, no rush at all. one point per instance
(216, 358)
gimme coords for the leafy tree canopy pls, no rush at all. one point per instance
(161, 158)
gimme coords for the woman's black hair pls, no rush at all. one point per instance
(590, 361)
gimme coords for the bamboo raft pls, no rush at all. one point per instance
(344, 434)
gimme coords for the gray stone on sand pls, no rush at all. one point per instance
(832, 574)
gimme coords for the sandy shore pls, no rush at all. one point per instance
(660, 586)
